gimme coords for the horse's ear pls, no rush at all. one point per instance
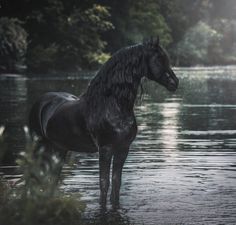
(151, 42)
(146, 41)
(156, 41)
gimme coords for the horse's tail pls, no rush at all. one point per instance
(43, 149)
(35, 120)
(43, 110)
(38, 116)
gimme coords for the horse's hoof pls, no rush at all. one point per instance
(115, 203)
(115, 206)
(103, 203)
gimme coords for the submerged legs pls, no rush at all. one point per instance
(118, 163)
(105, 157)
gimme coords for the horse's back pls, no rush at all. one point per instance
(60, 118)
(44, 108)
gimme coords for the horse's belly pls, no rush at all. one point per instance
(78, 143)
(65, 130)
(81, 144)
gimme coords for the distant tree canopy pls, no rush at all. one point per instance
(13, 44)
(175, 21)
(74, 34)
(196, 44)
(67, 41)
(63, 35)
(134, 21)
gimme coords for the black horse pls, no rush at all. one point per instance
(102, 119)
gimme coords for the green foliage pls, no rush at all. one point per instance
(193, 48)
(182, 16)
(42, 58)
(37, 200)
(82, 44)
(13, 44)
(226, 48)
(135, 20)
(76, 38)
(176, 14)
(70, 35)
(145, 20)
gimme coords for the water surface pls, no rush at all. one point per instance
(181, 168)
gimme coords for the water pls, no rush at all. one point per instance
(181, 168)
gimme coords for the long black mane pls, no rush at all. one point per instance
(119, 76)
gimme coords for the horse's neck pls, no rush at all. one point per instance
(125, 94)
(122, 94)
(118, 80)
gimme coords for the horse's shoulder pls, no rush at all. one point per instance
(116, 129)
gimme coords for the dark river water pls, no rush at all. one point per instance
(181, 168)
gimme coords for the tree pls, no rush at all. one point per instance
(74, 41)
(67, 39)
(146, 20)
(193, 48)
(227, 45)
(13, 44)
(63, 35)
(134, 20)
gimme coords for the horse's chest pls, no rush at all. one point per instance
(117, 129)
(122, 125)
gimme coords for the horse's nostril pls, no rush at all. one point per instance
(169, 76)
(172, 81)
(177, 81)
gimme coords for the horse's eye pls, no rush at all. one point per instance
(158, 59)
(168, 75)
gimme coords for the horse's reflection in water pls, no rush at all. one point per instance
(102, 119)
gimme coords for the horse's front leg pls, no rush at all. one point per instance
(105, 155)
(118, 163)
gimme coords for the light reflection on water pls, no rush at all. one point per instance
(182, 166)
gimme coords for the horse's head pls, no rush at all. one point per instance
(158, 64)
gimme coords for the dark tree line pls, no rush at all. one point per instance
(74, 34)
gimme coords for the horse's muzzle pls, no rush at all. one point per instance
(173, 82)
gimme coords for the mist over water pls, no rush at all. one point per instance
(181, 168)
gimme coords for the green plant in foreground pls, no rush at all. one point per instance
(37, 199)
